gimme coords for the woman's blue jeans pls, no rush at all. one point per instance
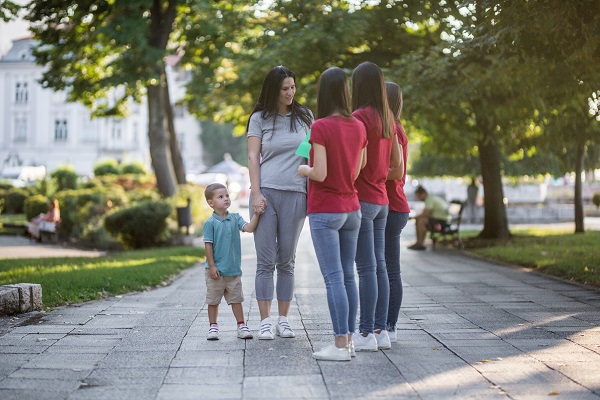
(396, 221)
(373, 284)
(334, 237)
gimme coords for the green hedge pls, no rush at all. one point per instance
(141, 225)
(35, 205)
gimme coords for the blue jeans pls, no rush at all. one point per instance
(396, 221)
(334, 237)
(373, 284)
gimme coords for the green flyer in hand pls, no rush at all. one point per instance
(304, 148)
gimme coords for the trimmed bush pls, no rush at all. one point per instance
(71, 202)
(596, 199)
(141, 225)
(65, 178)
(35, 205)
(107, 167)
(136, 168)
(14, 200)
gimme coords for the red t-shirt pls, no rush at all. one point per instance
(371, 181)
(395, 188)
(343, 139)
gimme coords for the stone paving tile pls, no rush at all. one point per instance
(146, 359)
(42, 329)
(60, 361)
(207, 358)
(195, 392)
(39, 393)
(113, 393)
(279, 362)
(305, 386)
(66, 374)
(213, 375)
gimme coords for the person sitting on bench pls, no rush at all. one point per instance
(435, 215)
(52, 217)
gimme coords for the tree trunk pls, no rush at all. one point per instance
(579, 215)
(495, 225)
(159, 142)
(176, 158)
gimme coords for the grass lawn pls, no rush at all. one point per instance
(74, 280)
(556, 252)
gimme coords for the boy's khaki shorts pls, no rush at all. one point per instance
(229, 287)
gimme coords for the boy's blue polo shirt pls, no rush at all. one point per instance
(224, 234)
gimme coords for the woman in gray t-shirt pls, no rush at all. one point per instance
(276, 127)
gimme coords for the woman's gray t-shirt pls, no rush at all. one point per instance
(279, 163)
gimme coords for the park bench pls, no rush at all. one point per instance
(449, 232)
(49, 231)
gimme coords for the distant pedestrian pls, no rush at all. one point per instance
(369, 102)
(472, 191)
(337, 155)
(435, 215)
(398, 214)
(277, 126)
(46, 221)
(224, 259)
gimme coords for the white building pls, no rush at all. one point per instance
(38, 126)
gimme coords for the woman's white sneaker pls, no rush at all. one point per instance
(332, 353)
(266, 332)
(364, 343)
(283, 328)
(383, 340)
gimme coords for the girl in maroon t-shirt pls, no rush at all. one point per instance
(398, 214)
(336, 157)
(369, 103)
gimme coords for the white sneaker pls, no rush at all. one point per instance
(393, 336)
(283, 328)
(332, 353)
(362, 343)
(243, 332)
(383, 340)
(266, 332)
(213, 332)
(351, 349)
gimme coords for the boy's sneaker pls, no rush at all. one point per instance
(332, 353)
(393, 336)
(266, 333)
(383, 340)
(213, 332)
(362, 343)
(283, 328)
(243, 332)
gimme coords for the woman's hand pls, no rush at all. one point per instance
(259, 202)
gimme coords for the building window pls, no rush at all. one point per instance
(21, 94)
(178, 111)
(20, 129)
(60, 130)
(117, 128)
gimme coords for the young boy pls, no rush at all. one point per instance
(223, 259)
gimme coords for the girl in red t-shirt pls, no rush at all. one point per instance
(336, 157)
(369, 103)
(398, 213)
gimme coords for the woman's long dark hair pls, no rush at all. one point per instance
(268, 101)
(394, 97)
(368, 89)
(333, 94)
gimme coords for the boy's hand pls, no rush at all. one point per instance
(214, 272)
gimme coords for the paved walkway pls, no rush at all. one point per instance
(468, 329)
